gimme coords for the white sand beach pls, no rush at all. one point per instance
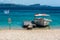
(49, 34)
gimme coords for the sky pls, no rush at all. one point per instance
(29, 2)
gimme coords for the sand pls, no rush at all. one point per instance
(49, 34)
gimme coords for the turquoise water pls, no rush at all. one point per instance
(19, 16)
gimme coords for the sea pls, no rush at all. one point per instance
(17, 17)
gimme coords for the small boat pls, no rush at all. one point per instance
(42, 20)
(6, 11)
(28, 25)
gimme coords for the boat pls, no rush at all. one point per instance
(6, 11)
(42, 20)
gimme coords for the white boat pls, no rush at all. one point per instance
(6, 11)
(42, 20)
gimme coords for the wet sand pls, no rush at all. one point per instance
(49, 34)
